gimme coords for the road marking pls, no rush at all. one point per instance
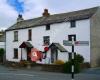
(17, 74)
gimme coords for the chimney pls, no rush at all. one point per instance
(20, 18)
(45, 13)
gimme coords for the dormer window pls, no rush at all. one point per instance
(48, 27)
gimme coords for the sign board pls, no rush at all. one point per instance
(67, 43)
(35, 54)
(76, 43)
(81, 43)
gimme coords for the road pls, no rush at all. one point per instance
(18, 74)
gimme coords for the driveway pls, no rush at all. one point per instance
(28, 74)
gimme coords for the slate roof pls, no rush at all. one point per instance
(26, 45)
(56, 18)
(58, 46)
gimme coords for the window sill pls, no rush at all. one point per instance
(15, 58)
(15, 41)
(29, 40)
(73, 27)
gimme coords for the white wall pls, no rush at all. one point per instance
(62, 56)
(57, 33)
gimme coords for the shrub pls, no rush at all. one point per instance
(59, 62)
(77, 61)
(67, 67)
(79, 58)
(1, 54)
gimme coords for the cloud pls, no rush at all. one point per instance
(58, 6)
(7, 14)
(34, 8)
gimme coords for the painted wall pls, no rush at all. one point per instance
(57, 33)
(61, 56)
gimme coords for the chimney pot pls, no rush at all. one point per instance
(45, 13)
(20, 18)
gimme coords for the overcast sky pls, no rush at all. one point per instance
(9, 9)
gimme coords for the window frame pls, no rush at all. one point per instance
(70, 37)
(29, 34)
(46, 41)
(48, 27)
(15, 35)
(73, 24)
(15, 53)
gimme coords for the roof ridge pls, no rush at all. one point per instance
(55, 18)
(63, 13)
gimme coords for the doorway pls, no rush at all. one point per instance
(54, 54)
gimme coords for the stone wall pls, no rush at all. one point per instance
(95, 39)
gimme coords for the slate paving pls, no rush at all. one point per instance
(28, 74)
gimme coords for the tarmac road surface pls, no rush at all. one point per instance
(18, 74)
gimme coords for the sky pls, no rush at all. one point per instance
(9, 9)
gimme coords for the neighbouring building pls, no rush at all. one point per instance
(51, 30)
(2, 40)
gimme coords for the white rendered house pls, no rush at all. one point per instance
(83, 25)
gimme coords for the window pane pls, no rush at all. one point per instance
(15, 35)
(30, 34)
(70, 37)
(46, 40)
(73, 23)
(48, 27)
(16, 53)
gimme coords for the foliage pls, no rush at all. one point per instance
(1, 52)
(67, 67)
(59, 62)
(77, 61)
(79, 58)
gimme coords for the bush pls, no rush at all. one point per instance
(77, 61)
(68, 65)
(79, 58)
(1, 54)
(59, 62)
